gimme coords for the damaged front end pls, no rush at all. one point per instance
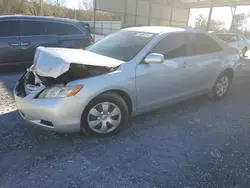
(31, 81)
(54, 67)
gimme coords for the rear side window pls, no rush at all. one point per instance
(203, 44)
(29, 28)
(172, 46)
(63, 29)
(9, 28)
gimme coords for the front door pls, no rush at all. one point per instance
(34, 34)
(157, 84)
(9, 42)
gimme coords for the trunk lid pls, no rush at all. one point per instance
(53, 62)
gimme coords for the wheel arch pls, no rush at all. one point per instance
(230, 73)
(125, 96)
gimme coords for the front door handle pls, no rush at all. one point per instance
(14, 44)
(25, 44)
(185, 64)
(221, 58)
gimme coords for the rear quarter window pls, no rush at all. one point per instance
(63, 29)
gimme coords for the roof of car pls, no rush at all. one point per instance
(158, 29)
(42, 18)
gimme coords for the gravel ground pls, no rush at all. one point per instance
(194, 144)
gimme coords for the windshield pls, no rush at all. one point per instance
(123, 45)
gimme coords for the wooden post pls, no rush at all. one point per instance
(41, 8)
(101, 27)
(171, 16)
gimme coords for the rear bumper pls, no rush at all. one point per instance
(59, 115)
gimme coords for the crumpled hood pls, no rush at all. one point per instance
(53, 62)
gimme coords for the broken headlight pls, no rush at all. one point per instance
(60, 92)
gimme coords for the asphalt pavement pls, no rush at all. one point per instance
(199, 143)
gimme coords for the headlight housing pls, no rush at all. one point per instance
(60, 92)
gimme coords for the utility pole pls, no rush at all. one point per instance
(209, 17)
(41, 8)
(233, 12)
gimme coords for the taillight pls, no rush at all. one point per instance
(90, 39)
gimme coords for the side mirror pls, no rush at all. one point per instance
(154, 58)
(244, 51)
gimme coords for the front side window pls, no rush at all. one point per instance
(202, 44)
(32, 28)
(172, 46)
(9, 28)
(123, 45)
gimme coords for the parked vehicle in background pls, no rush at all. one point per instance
(235, 40)
(21, 35)
(98, 89)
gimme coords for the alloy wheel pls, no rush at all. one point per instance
(104, 117)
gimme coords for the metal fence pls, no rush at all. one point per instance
(104, 27)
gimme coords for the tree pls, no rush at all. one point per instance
(85, 5)
(57, 7)
(216, 25)
(200, 22)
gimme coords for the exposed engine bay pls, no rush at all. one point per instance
(30, 81)
(58, 66)
(75, 72)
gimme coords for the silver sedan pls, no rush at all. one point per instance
(127, 73)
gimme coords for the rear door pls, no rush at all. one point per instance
(70, 35)
(205, 56)
(9, 42)
(34, 34)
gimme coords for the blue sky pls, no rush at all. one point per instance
(222, 13)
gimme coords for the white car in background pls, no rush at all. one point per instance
(235, 40)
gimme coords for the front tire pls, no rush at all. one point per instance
(221, 86)
(105, 115)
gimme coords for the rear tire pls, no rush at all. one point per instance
(105, 115)
(221, 86)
